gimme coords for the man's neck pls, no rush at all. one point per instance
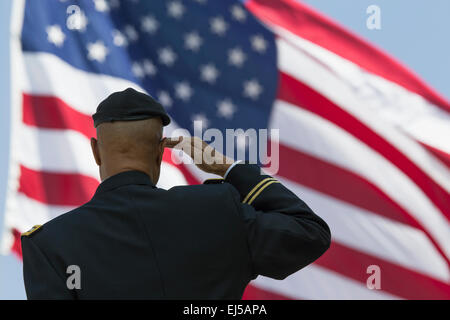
(112, 170)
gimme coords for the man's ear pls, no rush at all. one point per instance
(95, 152)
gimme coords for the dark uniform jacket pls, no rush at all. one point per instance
(133, 240)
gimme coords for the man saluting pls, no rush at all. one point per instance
(133, 240)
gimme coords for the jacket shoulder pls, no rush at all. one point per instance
(214, 181)
(215, 191)
(59, 224)
(209, 186)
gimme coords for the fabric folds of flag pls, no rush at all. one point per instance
(363, 140)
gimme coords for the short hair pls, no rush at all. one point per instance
(130, 138)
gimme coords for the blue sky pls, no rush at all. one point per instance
(413, 31)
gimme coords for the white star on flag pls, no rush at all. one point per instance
(165, 99)
(167, 56)
(137, 70)
(192, 41)
(209, 73)
(55, 35)
(252, 89)
(236, 57)
(183, 91)
(149, 24)
(226, 108)
(238, 13)
(149, 67)
(101, 5)
(175, 9)
(259, 44)
(218, 26)
(119, 39)
(97, 51)
(131, 33)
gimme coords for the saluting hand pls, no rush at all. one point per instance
(205, 157)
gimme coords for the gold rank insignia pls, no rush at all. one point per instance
(263, 184)
(36, 227)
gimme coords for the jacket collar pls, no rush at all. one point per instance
(124, 178)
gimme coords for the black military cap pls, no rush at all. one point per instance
(129, 105)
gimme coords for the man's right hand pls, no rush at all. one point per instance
(205, 157)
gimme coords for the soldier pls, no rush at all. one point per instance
(133, 240)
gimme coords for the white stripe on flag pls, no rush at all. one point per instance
(60, 151)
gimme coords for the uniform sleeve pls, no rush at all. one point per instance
(40, 278)
(284, 234)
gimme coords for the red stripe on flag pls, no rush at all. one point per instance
(344, 185)
(441, 155)
(17, 244)
(53, 113)
(255, 293)
(396, 280)
(315, 27)
(295, 92)
(51, 188)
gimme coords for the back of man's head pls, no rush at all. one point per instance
(129, 145)
(129, 131)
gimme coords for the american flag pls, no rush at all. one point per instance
(363, 140)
